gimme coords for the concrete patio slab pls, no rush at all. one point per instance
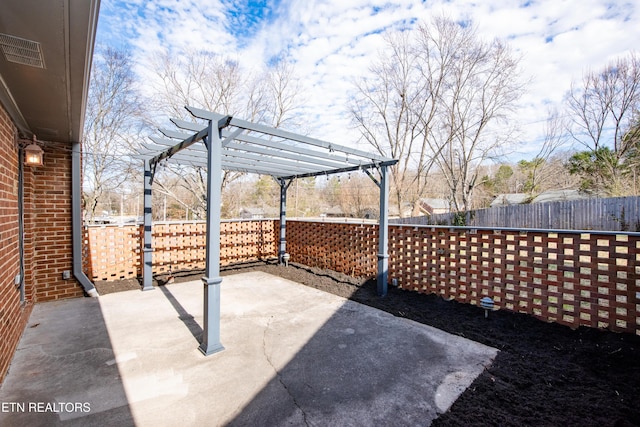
(293, 356)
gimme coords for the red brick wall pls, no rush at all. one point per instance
(47, 234)
(13, 315)
(49, 217)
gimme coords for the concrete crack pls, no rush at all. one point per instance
(278, 374)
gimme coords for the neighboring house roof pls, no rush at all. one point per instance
(509, 199)
(252, 213)
(430, 205)
(559, 195)
(46, 49)
(334, 211)
(256, 212)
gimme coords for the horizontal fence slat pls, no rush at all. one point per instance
(606, 214)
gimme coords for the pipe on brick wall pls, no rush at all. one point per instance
(21, 221)
(76, 219)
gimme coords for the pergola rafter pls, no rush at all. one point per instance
(228, 143)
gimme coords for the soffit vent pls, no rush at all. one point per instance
(21, 51)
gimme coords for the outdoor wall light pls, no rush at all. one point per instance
(33, 155)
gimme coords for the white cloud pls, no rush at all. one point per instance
(333, 41)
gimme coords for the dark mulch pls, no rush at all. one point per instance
(545, 374)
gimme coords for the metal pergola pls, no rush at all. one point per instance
(228, 143)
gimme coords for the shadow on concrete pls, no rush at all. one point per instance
(64, 371)
(361, 366)
(184, 316)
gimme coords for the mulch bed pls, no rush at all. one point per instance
(545, 374)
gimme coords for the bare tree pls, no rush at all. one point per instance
(218, 83)
(200, 79)
(197, 78)
(359, 197)
(481, 84)
(112, 125)
(602, 108)
(606, 100)
(434, 97)
(387, 109)
(282, 95)
(557, 175)
(537, 170)
(632, 138)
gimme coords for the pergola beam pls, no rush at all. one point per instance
(270, 160)
(208, 115)
(298, 157)
(232, 159)
(223, 121)
(236, 166)
(183, 124)
(342, 170)
(337, 157)
(298, 164)
(179, 147)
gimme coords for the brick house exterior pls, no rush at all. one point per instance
(36, 107)
(13, 315)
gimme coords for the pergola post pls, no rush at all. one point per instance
(212, 280)
(383, 233)
(284, 186)
(147, 250)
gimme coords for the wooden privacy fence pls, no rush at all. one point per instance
(573, 278)
(346, 248)
(115, 252)
(577, 279)
(606, 214)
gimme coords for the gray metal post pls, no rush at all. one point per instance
(284, 185)
(147, 250)
(211, 329)
(383, 230)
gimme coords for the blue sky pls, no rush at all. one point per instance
(332, 41)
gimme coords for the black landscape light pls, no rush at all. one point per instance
(486, 303)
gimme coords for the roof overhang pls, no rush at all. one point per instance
(254, 148)
(45, 63)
